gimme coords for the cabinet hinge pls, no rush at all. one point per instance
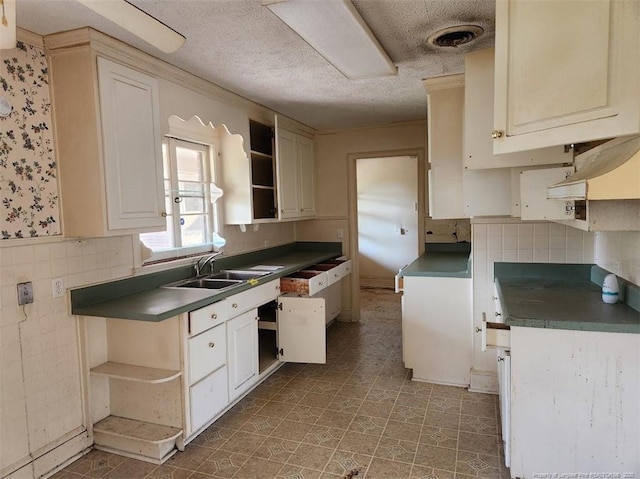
(280, 306)
(279, 352)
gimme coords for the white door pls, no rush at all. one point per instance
(242, 346)
(132, 145)
(387, 191)
(287, 173)
(301, 329)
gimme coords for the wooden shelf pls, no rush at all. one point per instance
(129, 372)
(146, 441)
(263, 187)
(258, 154)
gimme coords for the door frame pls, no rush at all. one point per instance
(352, 158)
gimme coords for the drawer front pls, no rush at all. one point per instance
(208, 397)
(340, 271)
(207, 352)
(254, 297)
(302, 285)
(495, 336)
(206, 318)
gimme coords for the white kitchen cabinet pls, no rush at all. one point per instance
(207, 352)
(108, 143)
(208, 397)
(571, 393)
(135, 386)
(445, 101)
(436, 325)
(242, 345)
(504, 391)
(487, 192)
(478, 120)
(248, 182)
(565, 72)
(534, 204)
(295, 174)
(301, 329)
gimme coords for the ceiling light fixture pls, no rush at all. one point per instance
(335, 29)
(7, 24)
(138, 22)
(455, 36)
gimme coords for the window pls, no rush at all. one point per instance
(190, 199)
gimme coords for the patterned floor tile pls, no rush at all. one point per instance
(386, 469)
(311, 456)
(396, 450)
(345, 463)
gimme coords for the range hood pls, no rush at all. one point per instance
(610, 171)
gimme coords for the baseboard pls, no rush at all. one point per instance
(483, 382)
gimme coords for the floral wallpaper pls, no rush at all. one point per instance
(28, 184)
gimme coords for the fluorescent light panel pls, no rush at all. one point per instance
(336, 31)
(138, 22)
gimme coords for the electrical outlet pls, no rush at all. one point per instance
(25, 293)
(57, 286)
(340, 233)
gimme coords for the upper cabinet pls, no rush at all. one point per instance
(296, 175)
(566, 72)
(445, 101)
(478, 117)
(108, 143)
(275, 183)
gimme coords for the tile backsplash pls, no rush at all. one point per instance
(619, 252)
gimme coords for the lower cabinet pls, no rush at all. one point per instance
(208, 397)
(436, 329)
(242, 346)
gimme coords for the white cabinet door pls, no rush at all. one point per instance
(242, 346)
(566, 72)
(504, 388)
(287, 174)
(131, 141)
(487, 192)
(207, 352)
(207, 398)
(478, 122)
(301, 329)
(445, 101)
(306, 174)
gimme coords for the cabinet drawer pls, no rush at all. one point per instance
(208, 397)
(207, 352)
(206, 318)
(254, 297)
(304, 282)
(495, 336)
(335, 269)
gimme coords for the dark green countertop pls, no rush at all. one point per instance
(561, 297)
(446, 260)
(156, 302)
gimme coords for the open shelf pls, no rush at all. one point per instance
(142, 440)
(129, 372)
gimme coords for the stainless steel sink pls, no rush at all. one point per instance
(236, 274)
(209, 283)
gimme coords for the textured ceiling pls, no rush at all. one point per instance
(240, 45)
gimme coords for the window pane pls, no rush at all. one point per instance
(192, 205)
(189, 188)
(193, 229)
(161, 240)
(190, 164)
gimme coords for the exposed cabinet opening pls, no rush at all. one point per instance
(267, 341)
(262, 171)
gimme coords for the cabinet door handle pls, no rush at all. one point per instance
(478, 330)
(163, 214)
(500, 358)
(214, 316)
(496, 134)
(212, 344)
(320, 284)
(234, 305)
(498, 314)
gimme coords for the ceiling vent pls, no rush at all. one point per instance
(455, 36)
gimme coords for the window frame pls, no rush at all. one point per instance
(212, 195)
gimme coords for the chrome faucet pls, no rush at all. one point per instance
(204, 261)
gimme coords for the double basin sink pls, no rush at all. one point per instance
(221, 280)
